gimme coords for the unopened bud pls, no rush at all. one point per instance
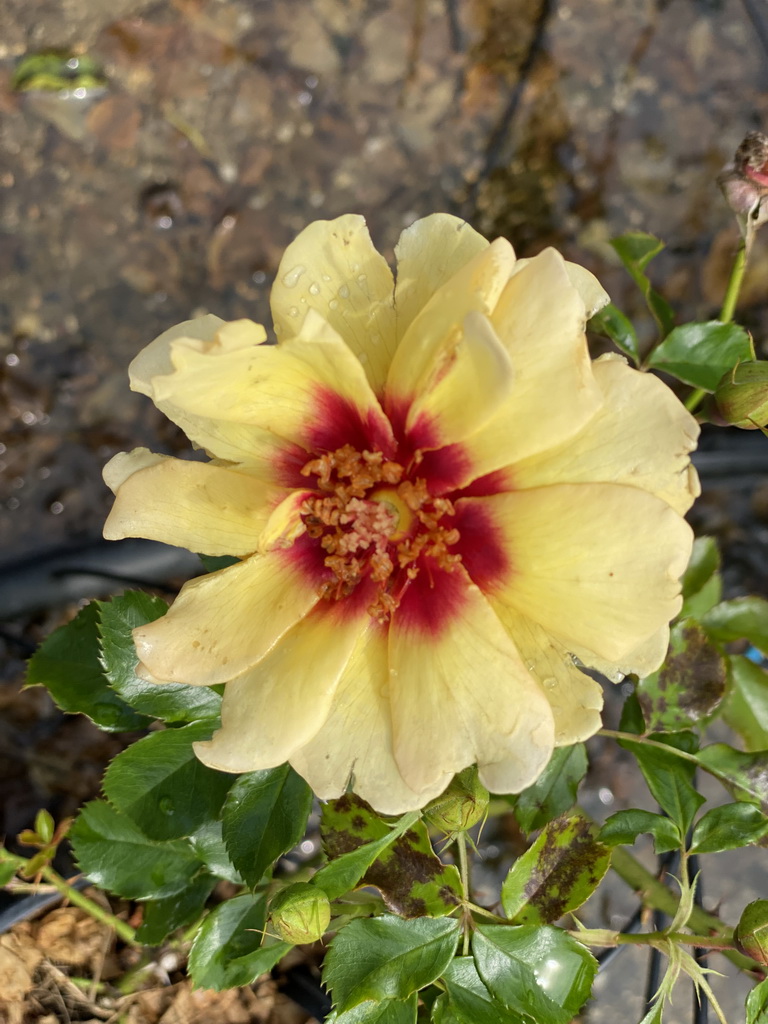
(461, 806)
(300, 913)
(744, 183)
(741, 396)
(751, 933)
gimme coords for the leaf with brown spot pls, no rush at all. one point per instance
(557, 874)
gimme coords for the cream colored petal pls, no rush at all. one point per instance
(460, 694)
(642, 436)
(470, 381)
(596, 564)
(575, 699)
(222, 624)
(285, 524)
(428, 254)
(281, 703)
(540, 319)
(640, 661)
(592, 293)
(333, 268)
(155, 360)
(354, 747)
(474, 288)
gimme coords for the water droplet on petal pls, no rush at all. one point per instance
(375, 339)
(314, 288)
(550, 683)
(326, 277)
(290, 280)
(344, 292)
(361, 279)
(333, 304)
(293, 311)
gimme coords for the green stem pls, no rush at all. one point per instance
(695, 398)
(91, 908)
(734, 283)
(634, 738)
(461, 846)
(606, 938)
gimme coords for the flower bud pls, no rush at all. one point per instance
(744, 183)
(300, 913)
(751, 933)
(741, 396)
(462, 804)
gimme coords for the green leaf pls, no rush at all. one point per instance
(703, 567)
(688, 686)
(746, 706)
(757, 1004)
(116, 855)
(412, 880)
(227, 951)
(636, 250)
(745, 776)
(669, 777)
(728, 827)
(386, 1011)
(469, 999)
(554, 792)
(388, 958)
(538, 972)
(744, 618)
(264, 815)
(700, 353)
(208, 844)
(67, 663)
(557, 874)
(163, 787)
(171, 702)
(625, 826)
(161, 917)
(611, 322)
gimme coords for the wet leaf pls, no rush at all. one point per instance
(469, 999)
(538, 972)
(728, 827)
(688, 686)
(611, 322)
(557, 874)
(412, 880)
(227, 951)
(160, 784)
(669, 777)
(67, 664)
(636, 249)
(387, 958)
(161, 917)
(554, 792)
(745, 776)
(385, 1011)
(700, 353)
(746, 707)
(625, 826)
(744, 618)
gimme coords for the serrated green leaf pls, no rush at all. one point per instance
(625, 826)
(745, 776)
(412, 880)
(227, 951)
(264, 815)
(554, 792)
(117, 856)
(700, 353)
(669, 777)
(67, 664)
(636, 249)
(744, 618)
(757, 1004)
(161, 917)
(557, 873)
(469, 999)
(208, 844)
(746, 706)
(387, 1011)
(388, 958)
(728, 827)
(688, 686)
(161, 785)
(538, 972)
(171, 702)
(611, 322)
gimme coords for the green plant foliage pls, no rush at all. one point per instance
(208, 844)
(387, 1011)
(702, 585)
(745, 776)
(161, 917)
(636, 249)
(746, 707)
(388, 958)
(67, 663)
(538, 972)
(412, 880)
(112, 851)
(467, 998)
(171, 702)
(228, 951)
(757, 1004)
(625, 826)
(670, 778)
(611, 322)
(752, 931)
(699, 354)
(554, 792)
(264, 815)
(688, 686)
(557, 874)
(162, 787)
(744, 618)
(728, 827)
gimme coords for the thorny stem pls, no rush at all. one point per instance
(605, 937)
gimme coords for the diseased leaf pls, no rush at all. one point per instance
(611, 322)
(669, 777)
(625, 826)
(688, 686)
(264, 815)
(388, 958)
(554, 792)
(346, 871)
(387, 1011)
(728, 827)
(636, 249)
(557, 874)
(745, 776)
(744, 618)
(746, 706)
(469, 999)
(161, 917)
(161, 785)
(412, 880)
(538, 972)
(700, 353)
(67, 664)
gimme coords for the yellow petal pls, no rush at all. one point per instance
(195, 505)
(592, 293)
(222, 624)
(642, 436)
(333, 268)
(595, 564)
(460, 693)
(428, 254)
(155, 360)
(643, 659)
(354, 746)
(280, 704)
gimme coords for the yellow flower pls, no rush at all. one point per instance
(437, 500)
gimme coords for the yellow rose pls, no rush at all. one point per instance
(438, 502)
